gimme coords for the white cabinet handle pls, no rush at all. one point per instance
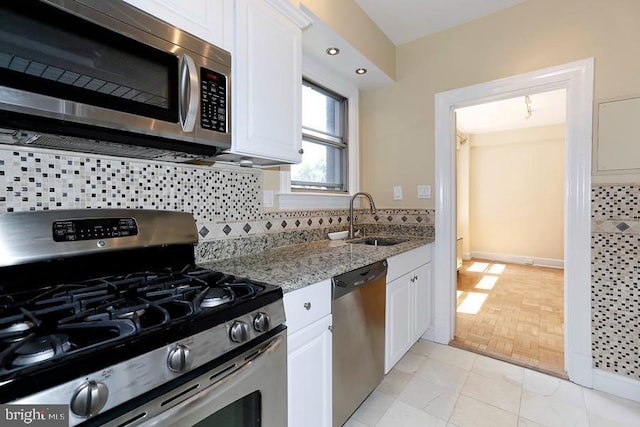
(307, 305)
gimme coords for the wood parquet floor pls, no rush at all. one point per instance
(512, 312)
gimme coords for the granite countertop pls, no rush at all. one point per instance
(296, 266)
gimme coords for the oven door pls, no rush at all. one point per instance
(248, 391)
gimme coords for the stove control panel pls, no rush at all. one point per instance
(71, 230)
(89, 399)
(261, 322)
(179, 359)
(239, 331)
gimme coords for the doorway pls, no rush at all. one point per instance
(510, 173)
(577, 79)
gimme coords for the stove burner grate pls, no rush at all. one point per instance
(47, 323)
(40, 348)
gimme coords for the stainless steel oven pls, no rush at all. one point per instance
(105, 312)
(248, 391)
(101, 76)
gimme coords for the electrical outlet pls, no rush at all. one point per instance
(397, 192)
(267, 197)
(424, 191)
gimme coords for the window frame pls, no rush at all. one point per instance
(308, 199)
(338, 141)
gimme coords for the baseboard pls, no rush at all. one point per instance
(519, 259)
(429, 335)
(617, 385)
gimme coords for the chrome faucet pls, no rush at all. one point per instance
(352, 220)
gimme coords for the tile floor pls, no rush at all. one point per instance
(512, 312)
(444, 386)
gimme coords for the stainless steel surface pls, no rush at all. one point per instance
(109, 148)
(358, 309)
(261, 322)
(262, 368)
(189, 90)
(123, 336)
(179, 358)
(134, 377)
(239, 332)
(27, 236)
(352, 220)
(131, 22)
(89, 399)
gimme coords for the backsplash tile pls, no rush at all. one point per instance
(226, 202)
(615, 279)
(34, 180)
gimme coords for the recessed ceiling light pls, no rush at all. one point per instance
(361, 71)
(333, 51)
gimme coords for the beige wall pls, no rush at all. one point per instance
(397, 122)
(516, 193)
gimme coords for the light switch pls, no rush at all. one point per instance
(397, 192)
(267, 197)
(424, 191)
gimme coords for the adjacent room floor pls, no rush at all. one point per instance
(444, 386)
(512, 312)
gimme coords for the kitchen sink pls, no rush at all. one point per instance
(378, 241)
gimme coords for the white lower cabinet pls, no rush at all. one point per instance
(309, 382)
(408, 300)
(309, 368)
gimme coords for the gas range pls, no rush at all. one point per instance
(102, 310)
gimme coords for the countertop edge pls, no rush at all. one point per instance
(297, 266)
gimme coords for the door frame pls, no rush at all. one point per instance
(577, 78)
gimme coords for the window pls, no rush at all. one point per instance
(324, 141)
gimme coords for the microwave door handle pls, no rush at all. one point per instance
(188, 93)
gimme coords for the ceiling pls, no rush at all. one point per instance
(547, 108)
(407, 20)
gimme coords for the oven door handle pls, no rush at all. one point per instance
(208, 399)
(188, 93)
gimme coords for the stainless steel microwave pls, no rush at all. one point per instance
(102, 76)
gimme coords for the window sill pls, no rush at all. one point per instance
(300, 200)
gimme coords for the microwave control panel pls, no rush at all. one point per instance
(213, 100)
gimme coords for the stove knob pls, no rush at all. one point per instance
(239, 332)
(89, 398)
(179, 358)
(261, 322)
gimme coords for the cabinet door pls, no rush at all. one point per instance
(267, 71)
(398, 322)
(309, 375)
(421, 299)
(205, 19)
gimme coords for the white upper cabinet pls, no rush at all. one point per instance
(207, 19)
(267, 81)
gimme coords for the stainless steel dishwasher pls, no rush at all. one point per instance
(358, 308)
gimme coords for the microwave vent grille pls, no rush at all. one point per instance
(91, 146)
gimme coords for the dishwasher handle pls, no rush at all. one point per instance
(355, 279)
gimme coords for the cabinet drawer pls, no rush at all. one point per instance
(304, 306)
(403, 263)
